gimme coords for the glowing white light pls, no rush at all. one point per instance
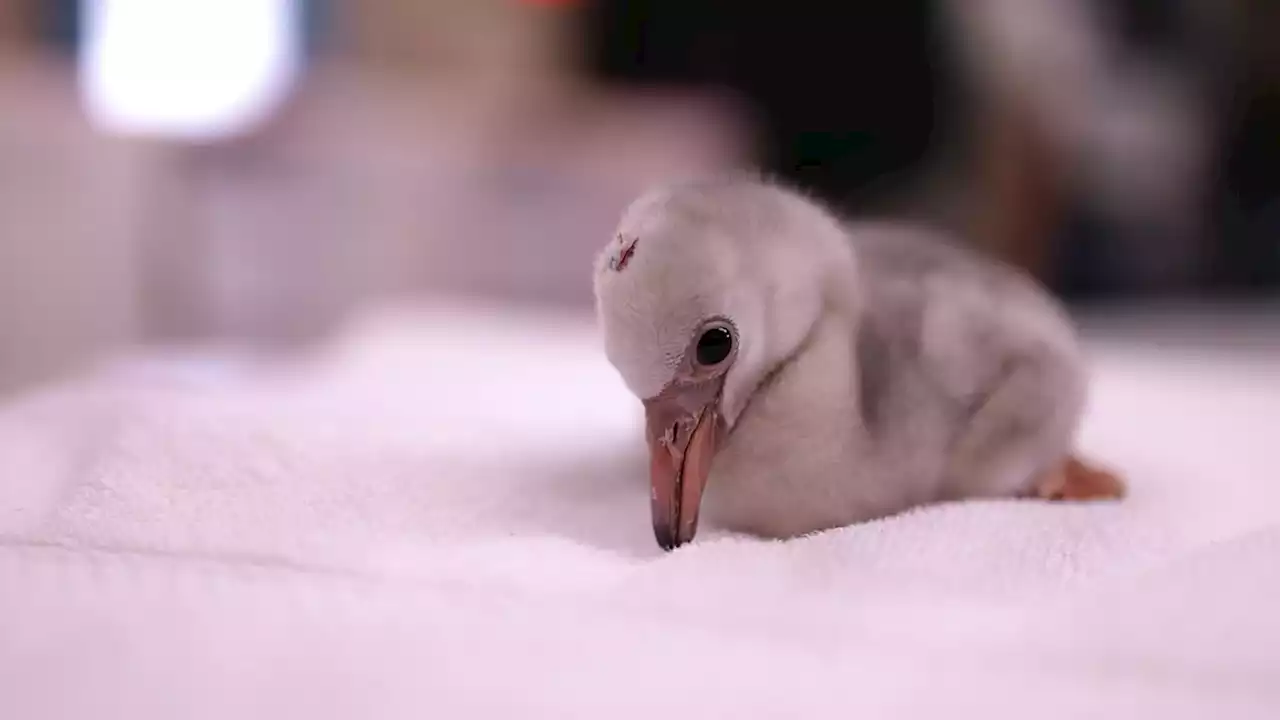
(187, 69)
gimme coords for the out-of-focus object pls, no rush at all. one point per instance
(378, 187)
(187, 69)
(1119, 96)
(1017, 200)
(1248, 194)
(509, 52)
(866, 142)
(16, 21)
(437, 145)
(69, 210)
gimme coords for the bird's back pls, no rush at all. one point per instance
(939, 326)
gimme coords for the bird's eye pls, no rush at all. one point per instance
(714, 346)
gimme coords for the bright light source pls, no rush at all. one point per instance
(187, 69)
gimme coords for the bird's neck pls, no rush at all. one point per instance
(841, 284)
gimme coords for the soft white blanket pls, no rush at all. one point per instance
(444, 515)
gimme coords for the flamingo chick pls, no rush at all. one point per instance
(810, 373)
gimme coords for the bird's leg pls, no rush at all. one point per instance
(1073, 479)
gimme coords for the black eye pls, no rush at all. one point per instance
(714, 346)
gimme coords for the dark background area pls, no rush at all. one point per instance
(856, 98)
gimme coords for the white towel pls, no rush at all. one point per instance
(444, 514)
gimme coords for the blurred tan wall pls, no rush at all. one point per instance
(438, 146)
(68, 211)
(374, 188)
(443, 35)
(456, 156)
(16, 22)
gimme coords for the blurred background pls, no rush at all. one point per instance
(255, 171)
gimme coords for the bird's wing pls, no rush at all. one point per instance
(934, 330)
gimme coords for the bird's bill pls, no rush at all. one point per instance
(679, 462)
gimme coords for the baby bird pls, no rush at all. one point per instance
(809, 373)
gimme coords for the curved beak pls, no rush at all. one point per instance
(681, 446)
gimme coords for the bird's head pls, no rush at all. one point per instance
(703, 291)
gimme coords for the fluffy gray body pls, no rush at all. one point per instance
(946, 376)
(880, 366)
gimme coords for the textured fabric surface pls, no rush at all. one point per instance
(445, 515)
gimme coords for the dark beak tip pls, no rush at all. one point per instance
(666, 538)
